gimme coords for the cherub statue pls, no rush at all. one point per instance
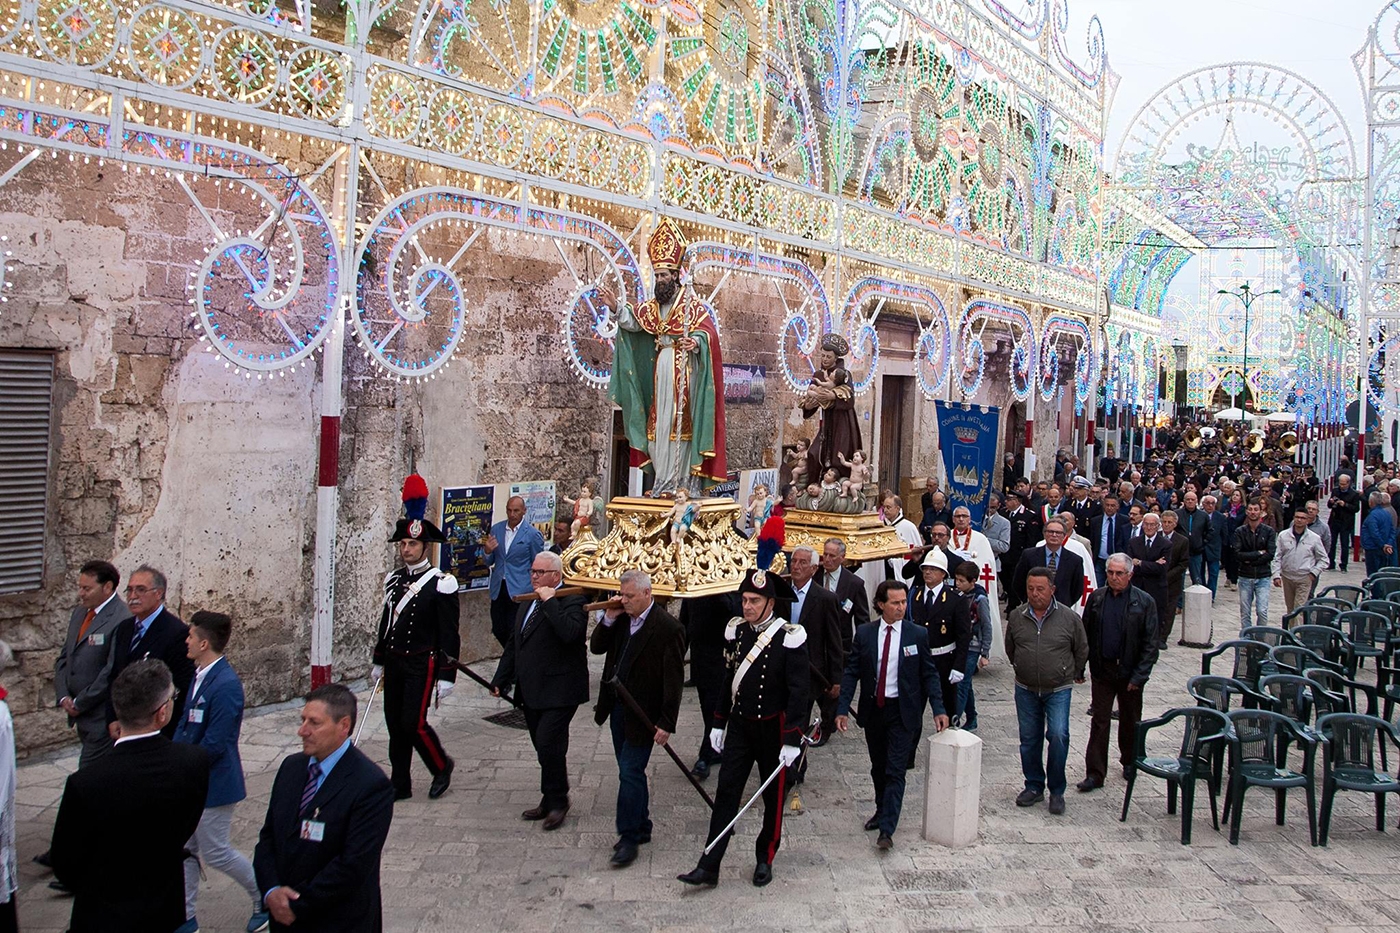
(682, 516)
(860, 472)
(760, 505)
(584, 507)
(810, 498)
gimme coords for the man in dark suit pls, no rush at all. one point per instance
(935, 606)
(819, 614)
(508, 551)
(848, 588)
(1151, 552)
(212, 718)
(891, 652)
(703, 618)
(547, 662)
(1177, 565)
(1025, 532)
(317, 857)
(119, 839)
(81, 675)
(1068, 566)
(645, 650)
(1108, 534)
(152, 632)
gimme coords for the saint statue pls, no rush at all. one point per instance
(831, 394)
(666, 374)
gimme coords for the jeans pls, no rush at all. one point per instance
(210, 840)
(1043, 717)
(967, 702)
(1196, 564)
(633, 816)
(1375, 560)
(1212, 578)
(1254, 593)
(1342, 540)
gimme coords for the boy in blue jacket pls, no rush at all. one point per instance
(212, 718)
(979, 648)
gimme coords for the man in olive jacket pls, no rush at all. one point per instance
(1047, 648)
(1120, 622)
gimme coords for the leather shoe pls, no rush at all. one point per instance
(1029, 798)
(43, 859)
(1087, 785)
(554, 819)
(762, 874)
(1057, 804)
(884, 843)
(826, 737)
(872, 823)
(535, 814)
(440, 782)
(641, 841)
(701, 770)
(625, 854)
(698, 875)
(1127, 773)
(403, 794)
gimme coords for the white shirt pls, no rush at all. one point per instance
(199, 676)
(105, 602)
(133, 738)
(634, 624)
(510, 534)
(892, 661)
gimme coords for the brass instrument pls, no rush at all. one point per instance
(1192, 437)
(1256, 441)
(1288, 443)
(1230, 437)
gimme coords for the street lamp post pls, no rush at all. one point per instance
(1247, 298)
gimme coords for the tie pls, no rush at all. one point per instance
(525, 622)
(884, 661)
(1052, 560)
(313, 783)
(87, 620)
(831, 583)
(136, 639)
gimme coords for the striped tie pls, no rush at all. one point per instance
(313, 783)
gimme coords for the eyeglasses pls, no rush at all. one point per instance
(535, 572)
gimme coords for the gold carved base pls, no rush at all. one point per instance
(711, 558)
(866, 537)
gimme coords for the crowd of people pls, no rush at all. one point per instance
(1079, 578)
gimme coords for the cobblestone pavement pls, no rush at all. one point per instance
(467, 862)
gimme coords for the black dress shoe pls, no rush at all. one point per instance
(698, 875)
(440, 782)
(826, 737)
(625, 854)
(60, 887)
(884, 843)
(402, 794)
(872, 823)
(641, 841)
(535, 814)
(762, 874)
(554, 819)
(43, 859)
(1087, 785)
(701, 770)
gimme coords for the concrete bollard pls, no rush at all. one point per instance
(953, 788)
(1195, 618)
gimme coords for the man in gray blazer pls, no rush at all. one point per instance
(81, 673)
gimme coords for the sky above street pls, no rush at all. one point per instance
(1152, 42)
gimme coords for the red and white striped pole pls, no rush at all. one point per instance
(1028, 453)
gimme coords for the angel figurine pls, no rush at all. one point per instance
(760, 505)
(682, 516)
(794, 469)
(860, 471)
(584, 507)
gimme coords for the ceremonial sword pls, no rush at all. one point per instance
(651, 727)
(806, 740)
(368, 704)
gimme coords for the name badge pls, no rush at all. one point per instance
(846, 606)
(97, 639)
(911, 650)
(196, 715)
(313, 830)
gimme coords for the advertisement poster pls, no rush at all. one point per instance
(725, 488)
(466, 521)
(540, 503)
(967, 437)
(744, 385)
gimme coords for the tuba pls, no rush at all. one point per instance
(1192, 437)
(1288, 443)
(1229, 437)
(1256, 442)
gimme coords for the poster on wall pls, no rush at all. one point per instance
(540, 503)
(967, 437)
(466, 521)
(727, 488)
(744, 385)
(748, 479)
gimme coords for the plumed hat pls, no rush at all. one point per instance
(767, 584)
(414, 526)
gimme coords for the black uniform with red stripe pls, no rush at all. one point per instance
(765, 712)
(948, 619)
(413, 641)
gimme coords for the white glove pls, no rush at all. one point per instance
(717, 739)
(445, 688)
(376, 672)
(955, 677)
(788, 754)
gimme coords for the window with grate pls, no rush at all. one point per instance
(26, 404)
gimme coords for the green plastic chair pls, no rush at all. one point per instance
(1259, 758)
(1202, 743)
(1349, 763)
